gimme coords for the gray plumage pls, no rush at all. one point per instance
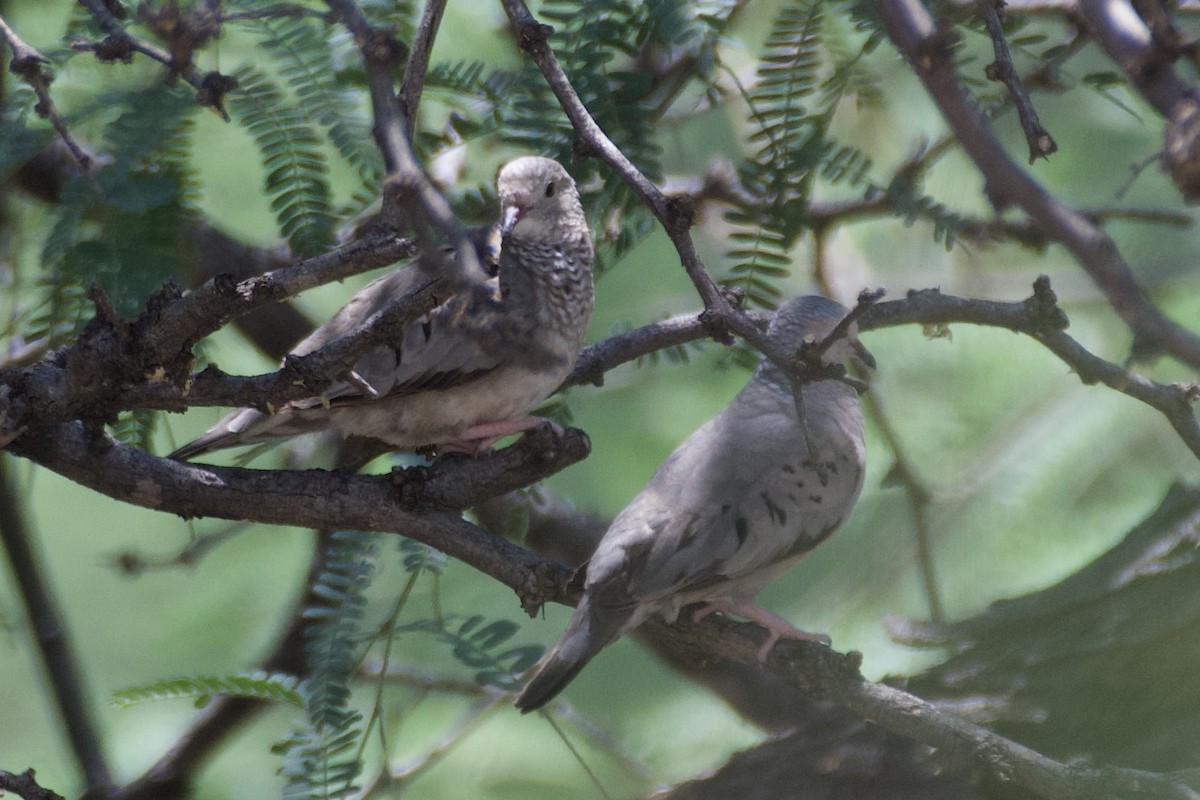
(472, 368)
(737, 504)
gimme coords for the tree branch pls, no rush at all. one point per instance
(150, 358)
(1127, 41)
(374, 503)
(1038, 317)
(52, 640)
(406, 181)
(422, 505)
(30, 65)
(25, 786)
(927, 49)
(675, 214)
(120, 45)
(418, 63)
(1147, 55)
(1041, 143)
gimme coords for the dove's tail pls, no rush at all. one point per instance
(586, 635)
(244, 426)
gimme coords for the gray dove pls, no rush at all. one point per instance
(739, 502)
(469, 371)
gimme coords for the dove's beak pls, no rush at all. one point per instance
(512, 215)
(863, 354)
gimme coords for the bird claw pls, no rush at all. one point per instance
(777, 627)
(477, 440)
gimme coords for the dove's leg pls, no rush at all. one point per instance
(478, 439)
(777, 627)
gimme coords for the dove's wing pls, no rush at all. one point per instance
(737, 497)
(441, 349)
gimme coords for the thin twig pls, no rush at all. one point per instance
(1041, 143)
(675, 216)
(927, 48)
(30, 65)
(25, 786)
(919, 496)
(474, 716)
(919, 500)
(121, 45)
(418, 62)
(406, 181)
(170, 776)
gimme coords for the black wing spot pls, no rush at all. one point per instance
(742, 527)
(777, 513)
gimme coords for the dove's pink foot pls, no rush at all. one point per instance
(777, 627)
(477, 440)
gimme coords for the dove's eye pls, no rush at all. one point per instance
(550, 187)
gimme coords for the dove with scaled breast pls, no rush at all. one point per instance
(738, 503)
(468, 372)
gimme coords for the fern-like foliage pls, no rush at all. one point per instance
(791, 108)
(19, 140)
(321, 758)
(601, 44)
(296, 175)
(303, 50)
(62, 310)
(202, 688)
(125, 229)
(478, 644)
(911, 204)
(136, 428)
(418, 557)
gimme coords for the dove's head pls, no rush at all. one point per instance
(816, 316)
(537, 198)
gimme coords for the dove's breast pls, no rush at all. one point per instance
(431, 417)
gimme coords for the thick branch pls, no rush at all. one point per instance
(113, 362)
(325, 500)
(300, 376)
(1126, 40)
(927, 48)
(811, 667)
(1147, 53)
(1006, 760)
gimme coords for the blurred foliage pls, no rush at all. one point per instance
(1032, 475)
